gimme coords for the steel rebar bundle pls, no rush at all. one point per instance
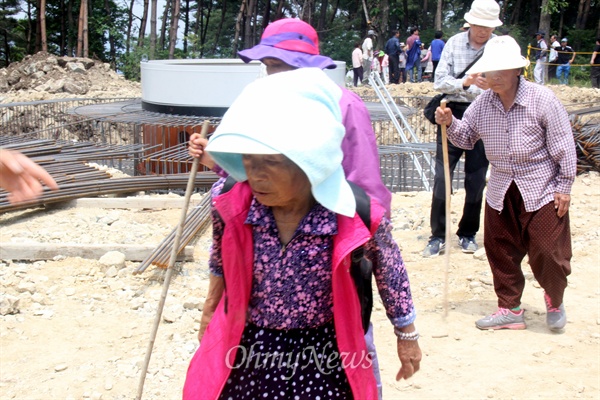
(587, 141)
(196, 220)
(98, 187)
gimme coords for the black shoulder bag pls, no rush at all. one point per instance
(434, 103)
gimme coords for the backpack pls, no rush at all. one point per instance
(361, 268)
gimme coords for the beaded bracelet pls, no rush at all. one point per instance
(414, 335)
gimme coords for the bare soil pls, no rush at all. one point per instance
(80, 327)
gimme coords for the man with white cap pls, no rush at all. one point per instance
(460, 51)
(529, 142)
(566, 56)
(367, 49)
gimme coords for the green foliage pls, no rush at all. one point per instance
(554, 6)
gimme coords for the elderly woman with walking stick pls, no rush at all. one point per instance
(529, 142)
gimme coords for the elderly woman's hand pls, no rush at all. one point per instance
(196, 149)
(443, 116)
(561, 203)
(409, 354)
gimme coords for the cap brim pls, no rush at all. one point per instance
(293, 58)
(334, 193)
(489, 65)
(482, 22)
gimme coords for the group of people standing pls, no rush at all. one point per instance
(404, 61)
(555, 60)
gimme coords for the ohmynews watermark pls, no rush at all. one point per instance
(325, 361)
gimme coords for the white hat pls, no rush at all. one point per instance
(294, 113)
(465, 27)
(500, 53)
(484, 13)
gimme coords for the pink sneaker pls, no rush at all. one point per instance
(503, 319)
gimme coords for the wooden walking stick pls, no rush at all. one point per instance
(165, 288)
(447, 186)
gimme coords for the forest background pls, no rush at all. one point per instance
(124, 34)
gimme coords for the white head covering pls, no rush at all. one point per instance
(294, 113)
(484, 13)
(500, 53)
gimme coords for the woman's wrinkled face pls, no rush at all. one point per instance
(275, 65)
(275, 180)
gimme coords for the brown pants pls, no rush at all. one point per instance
(514, 232)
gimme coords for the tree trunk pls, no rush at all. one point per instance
(186, 25)
(163, 26)
(111, 39)
(580, 8)
(366, 11)
(238, 27)
(544, 18)
(514, 20)
(63, 29)
(385, 20)
(153, 15)
(220, 26)
(86, 47)
(586, 14)
(70, 28)
(43, 37)
(438, 16)
(80, 30)
(129, 26)
(143, 22)
(405, 16)
(248, 38)
(174, 29)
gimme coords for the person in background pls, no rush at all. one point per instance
(402, 62)
(552, 56)
(460, 50)
(22, 177)
(595, 63)
(436, 47)
(286, 45)
(541, 56)
(393, 50)
(413, 55)
(529, 141)
(425, 59)
(376, 64)
(367, 50)
(289, 322)
(357, 67)
(565, 58)
(385, 68)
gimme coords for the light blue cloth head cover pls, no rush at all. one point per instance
(294, 113)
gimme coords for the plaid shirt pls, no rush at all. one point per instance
(456, 56)
(531, 144)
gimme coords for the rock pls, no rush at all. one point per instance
(73, 87)
(480, 254)
(26, 286)
(111, 272)
(113, 258)
(60, 367)
(9, 305)
(76, 67)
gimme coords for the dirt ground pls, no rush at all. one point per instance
(74, 328)
(83, 326)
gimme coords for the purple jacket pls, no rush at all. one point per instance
(361, 157)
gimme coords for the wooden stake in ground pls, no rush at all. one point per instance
(188, 193)
(448, 185)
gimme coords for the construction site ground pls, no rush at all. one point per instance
(78, 328)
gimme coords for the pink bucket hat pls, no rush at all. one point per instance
(292, 41)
